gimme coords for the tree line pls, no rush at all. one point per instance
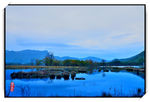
(49, 60)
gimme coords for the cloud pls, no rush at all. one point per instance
(83, 28)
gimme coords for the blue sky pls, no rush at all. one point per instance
(79, 31)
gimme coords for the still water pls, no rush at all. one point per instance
(116, 84)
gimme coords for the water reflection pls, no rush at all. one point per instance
(93, 82)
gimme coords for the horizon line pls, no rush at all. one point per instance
(75, 57)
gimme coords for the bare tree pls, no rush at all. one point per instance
(103, 62)
(49, 59)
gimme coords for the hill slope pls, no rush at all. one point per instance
(139, 58)
(25, 56)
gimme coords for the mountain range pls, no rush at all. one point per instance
(28, 56)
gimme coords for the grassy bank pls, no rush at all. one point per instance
(55, 67)
(30, 67)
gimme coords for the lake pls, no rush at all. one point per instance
(95, 84)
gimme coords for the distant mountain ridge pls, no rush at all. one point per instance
(24, 56)
(74, 58)
(27, 56)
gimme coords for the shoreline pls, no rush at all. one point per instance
(30, 67)
(61, 67)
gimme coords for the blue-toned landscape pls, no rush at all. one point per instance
(74, 77)
(105, 84)
(75, 51)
